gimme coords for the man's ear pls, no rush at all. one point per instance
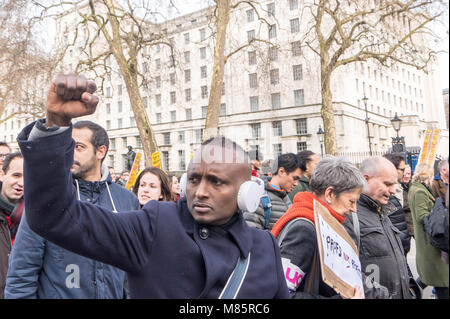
(281, 171)
(101, 152)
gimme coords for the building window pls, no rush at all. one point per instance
(295, 25)
(300, 125)
(273, 54)
(276, 100)
(138, 142)
(277, 150)
(252, 57)
(256, 130)
(158, 82)
(173, 97)
(187, 93)
(181, 137)
(277, 128)
(204, 111)
(293, 4)
(112, 144)
(158, 118)
(132, 121)
(296, 48)
(299, 97)
(172, 78)
(203, 73)
(158, 99)
(301, 146)
(203, 53)
(158, 64)
(108, 124)
(223, 109)
(297, 71)
(204, 90)
(119, 123)
(187, 75)
(108, 108)
(274, 76)
(253, 79)
(254, 103)
(145, 101)
(119, 106)
(119, 89)
(250, 35)
(173, 116)
(198, 135)
(250, 15)
(108, 92)
(188, 114)
(187, 56)
(166, 138)
(182, 159)
(202, 34)
(271, 9)
(186, 38)
(272, 31)
(165, 160)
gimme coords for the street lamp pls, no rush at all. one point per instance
(365, 98)
(320, 133)
(398, 143)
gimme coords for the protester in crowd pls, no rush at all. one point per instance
(440, 183)
(112, 173)
(152, 184)
(4, 150)
(266, 170)
(431, 269)
(169, 250)
(406, 182)
(307, 162)
(380, 249)
(394, 207)
(42, 269)
(175, 186)
(336, 184)
(256, 166)
(276, 200)
(11, 209)
(123, 179)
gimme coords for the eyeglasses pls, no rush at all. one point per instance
(402, 169)
(3, 155)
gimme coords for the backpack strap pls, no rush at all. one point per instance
(267, 206)
(236, 279)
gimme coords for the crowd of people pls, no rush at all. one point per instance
(70, 229)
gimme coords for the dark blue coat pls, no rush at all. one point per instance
(159, 246)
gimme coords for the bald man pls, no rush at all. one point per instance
(187, 249)
(380, 248)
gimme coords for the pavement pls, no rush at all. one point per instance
(411, 258)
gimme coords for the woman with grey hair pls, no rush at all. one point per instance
(336, 184)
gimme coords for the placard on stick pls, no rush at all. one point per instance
(339, 262)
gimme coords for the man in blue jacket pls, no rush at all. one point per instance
(187, 249)
(42, 269)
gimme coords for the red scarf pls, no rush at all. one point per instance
(303, 206)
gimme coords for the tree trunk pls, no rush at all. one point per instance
(327, 111)
(215, 96)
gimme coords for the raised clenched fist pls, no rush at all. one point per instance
(70, 96)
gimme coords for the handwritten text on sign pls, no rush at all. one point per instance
(339, 256)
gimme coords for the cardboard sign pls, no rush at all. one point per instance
(134, 171)
(156, 159)
(428, 151)
(339, 262)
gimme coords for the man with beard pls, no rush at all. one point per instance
(188, 249)
(11, 208)
(41, 269)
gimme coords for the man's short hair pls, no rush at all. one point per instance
(99, 134)
(5, 144)
(304, 157)
(289, 161)
(395, 159)
(8, 159)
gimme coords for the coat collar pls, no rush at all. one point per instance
(365, 201)
(235, 227)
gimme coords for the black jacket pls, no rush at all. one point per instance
(381, 251)
(5, 247)
(394, 210)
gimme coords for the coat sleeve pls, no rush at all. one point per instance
(283, 291)
(54, 212)
(422, 205)
(255, 219)
(25, 264)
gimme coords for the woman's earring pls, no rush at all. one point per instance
(329, 201)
